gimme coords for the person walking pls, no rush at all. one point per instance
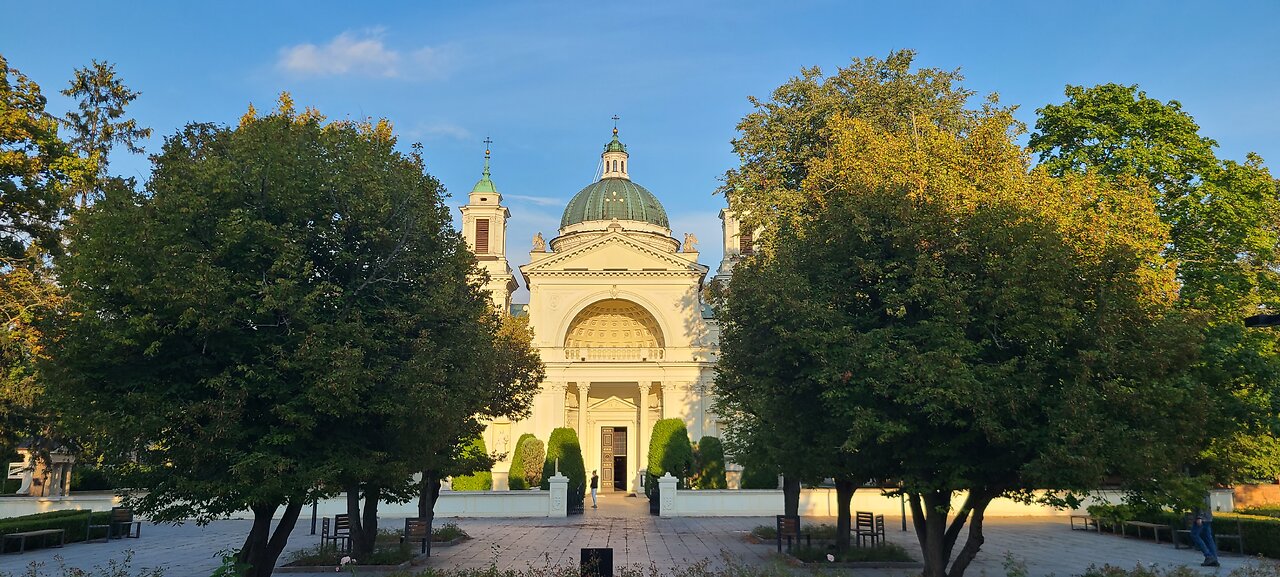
(595, 484)
(1202, 533)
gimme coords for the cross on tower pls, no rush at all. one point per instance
(487, 142)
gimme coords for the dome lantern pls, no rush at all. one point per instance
(615, 157)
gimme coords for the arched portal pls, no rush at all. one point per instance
(614, 324)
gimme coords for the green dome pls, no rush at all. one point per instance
(612, 198)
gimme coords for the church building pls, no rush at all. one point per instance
(617, 314)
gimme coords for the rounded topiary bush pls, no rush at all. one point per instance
(564, 446)
(757, 477)
(478, 481)
(517, 480)
(534, 454)
(669, 452)
(710, 458)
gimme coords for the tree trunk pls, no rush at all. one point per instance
(364, 527)
(844, 499)
(791, 495)
(938, 537)
(262, 547)
(430, 493)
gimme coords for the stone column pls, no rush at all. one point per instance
(583, 390)
(643, 422)
(668, 394)
(642, 436)
(556, 390)
(699, 390)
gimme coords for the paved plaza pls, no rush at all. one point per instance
(1046, 545)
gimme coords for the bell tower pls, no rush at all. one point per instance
(739, 241)
(484, 226)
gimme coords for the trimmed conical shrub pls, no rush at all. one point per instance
(526, 464)
(478, 481)
(710, 458)
(564, 446)
(669, 452)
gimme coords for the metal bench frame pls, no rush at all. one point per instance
(21, 538)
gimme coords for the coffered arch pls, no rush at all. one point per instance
(614, 323)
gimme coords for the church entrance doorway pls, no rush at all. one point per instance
(613, 458)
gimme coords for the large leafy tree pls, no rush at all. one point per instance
(37, 170)
(99, 124)
(1224, 219)
(777, 142)
(495, 375)
(953, 314)
(270, 321)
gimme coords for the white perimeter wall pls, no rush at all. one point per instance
(721, 503)
(822, 503)
(451, 504)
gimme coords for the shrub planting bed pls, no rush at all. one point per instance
(388, 553)
(74, 522)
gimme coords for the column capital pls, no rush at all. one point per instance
(556, 386)
(644, 388)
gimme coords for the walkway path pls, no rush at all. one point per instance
(1046, 545)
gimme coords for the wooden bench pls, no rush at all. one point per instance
(1138, 526)
(121, 524)
(21, 538)
(415, 529)
(1088, 522)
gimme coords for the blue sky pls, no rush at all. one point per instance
(544, 78)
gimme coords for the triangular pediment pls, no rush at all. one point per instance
(613, 404)
(613, 252)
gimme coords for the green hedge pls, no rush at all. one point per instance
(9, 486)
(89, 478)
(1267, 511)
(710, 458)
(564, 445)
(526, 465)
(758, 478)
(669, 452)
(478, 481)
(1261, 534)
(74, 522)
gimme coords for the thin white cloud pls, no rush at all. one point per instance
(438, 129)
(538, 200)
(362, 53)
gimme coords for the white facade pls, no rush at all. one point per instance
(616, 311)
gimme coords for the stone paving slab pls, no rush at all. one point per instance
(1045, 544)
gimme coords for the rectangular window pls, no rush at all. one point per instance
(482, 235)
(746, 244)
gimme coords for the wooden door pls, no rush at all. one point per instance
(620, 460)
(607, 437)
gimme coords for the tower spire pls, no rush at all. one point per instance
(485, 185)
(487, 142)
